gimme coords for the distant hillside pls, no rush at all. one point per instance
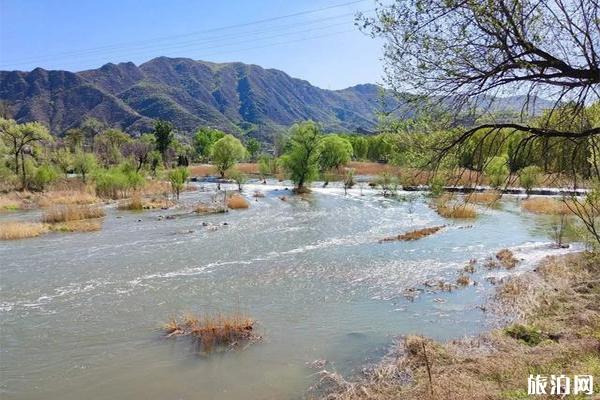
(234, 97)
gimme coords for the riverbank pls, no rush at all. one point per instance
(551, 325)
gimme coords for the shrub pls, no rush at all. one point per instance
(545, 205)
(463, 280)
(238, 177)
(507, 258)
(13, 230)
(43, 176)
(436, 186)
(530, 177)
(84, 164)
(527, 334)
(118, 182)
(388, 184)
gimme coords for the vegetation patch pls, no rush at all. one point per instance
(202, 208)
(414, 235)
(66, 197)
(84, 225)
(488, 198)
(13, 230)
(214, 332)
(507, 259)
(527, 334)
(65, 213)
(545, 205)
(237, 202)
(457, 211)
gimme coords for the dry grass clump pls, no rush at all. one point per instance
(237, 202)
(83, 225)
(65, 213)
(487, 198)
(133, 204)
(545, 205)
(202, 208)
(414, 235)
(507, 259)
(213, 331)
(557, 331)
(66, 197)
(9, 204)
(155, 187)
(463, 280)
(13, 230)
(458, 211)
(201, 170)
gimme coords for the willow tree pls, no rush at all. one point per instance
(462, 54)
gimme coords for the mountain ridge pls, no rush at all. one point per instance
(235, 97)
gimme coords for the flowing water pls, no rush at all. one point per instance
(80, 313)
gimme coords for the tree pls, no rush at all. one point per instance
(253, 147)
(178, 177)
(349, 180)
(91, 127)
(74, 138)
(454, 53)
(84, 164)
(302, 159)
(360, 147)
(335, 152)
(19, 138)
(109, 146)
(63, 158)
(267, 165)
(238, 177)
(226, 152)
(204, 139)
(140, 150)
(163, 131)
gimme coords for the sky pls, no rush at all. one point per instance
(314, 40)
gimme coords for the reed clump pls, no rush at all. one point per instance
(213, 331)
(203, 208)
(414, 235)
(487, 198)
(64, 213)
(545, 205)
(13, 230)
(134, 203)
(237, 202)
(84, 225)
(455, 210)
(66, 197)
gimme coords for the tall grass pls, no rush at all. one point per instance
(458, 211)
(13, 230)
(545, 205)
(66, 197)
(65, 213)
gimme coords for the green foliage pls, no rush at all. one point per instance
(226, 152)
(178, 177)
(360, 147)
(237, 176)
(530, 177)
(63, 159)
(301, 161)
(496, 168)
(117, 182)
(84, 164)
(267, 165)
(335, 151)
(436, 186)
(44, 175)
(163, 131)
(253, 147)
(203, 141)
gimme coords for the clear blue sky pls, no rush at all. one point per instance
(322, 46)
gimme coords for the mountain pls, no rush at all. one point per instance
(235, 97)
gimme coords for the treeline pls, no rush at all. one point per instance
(31, 158)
